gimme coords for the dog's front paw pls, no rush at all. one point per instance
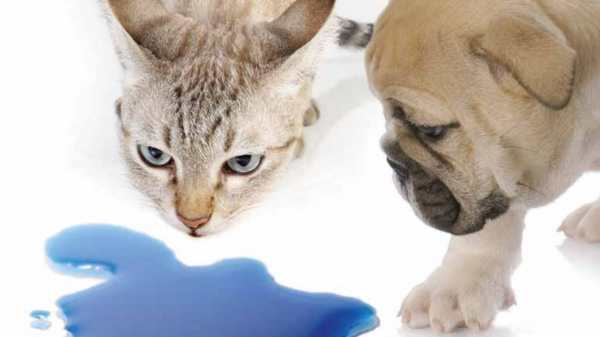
(453, 299)
(584, 223)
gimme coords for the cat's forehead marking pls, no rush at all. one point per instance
(217, 123)
(209, 71)
(207, 88)
(205, 123)
(229, 139)
(167, 135)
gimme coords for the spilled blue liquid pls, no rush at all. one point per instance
(40, 320)
(149, 293)
(39, 314)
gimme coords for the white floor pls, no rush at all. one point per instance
(335, 225)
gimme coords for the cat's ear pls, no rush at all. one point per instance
(136, 61)
(126, 19)
(297, 26)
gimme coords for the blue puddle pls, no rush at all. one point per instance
(150, 293)
(40, 320)
(39, 314)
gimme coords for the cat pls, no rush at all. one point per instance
(216, 95)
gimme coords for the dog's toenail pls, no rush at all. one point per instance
(437, 326)
(486, 326)
(474, 325)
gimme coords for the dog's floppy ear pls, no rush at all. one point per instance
(536, 54)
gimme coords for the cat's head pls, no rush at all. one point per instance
(212, 112)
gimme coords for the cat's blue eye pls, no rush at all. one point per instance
(243, 164)
(154, 157)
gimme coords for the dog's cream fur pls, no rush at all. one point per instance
(522, 79)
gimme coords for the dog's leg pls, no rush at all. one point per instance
(584, 223)
(474, 281)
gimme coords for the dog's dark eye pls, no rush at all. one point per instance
(432, 132)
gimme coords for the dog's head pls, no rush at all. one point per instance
(471, 91)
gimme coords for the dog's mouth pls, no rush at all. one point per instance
(434, 202)
(428, 195)
(437, 204)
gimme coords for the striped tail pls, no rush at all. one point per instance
(352, 34)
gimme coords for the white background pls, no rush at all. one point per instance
(335, 225)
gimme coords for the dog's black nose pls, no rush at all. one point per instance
(400, 168)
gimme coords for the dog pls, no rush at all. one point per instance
(492, 108)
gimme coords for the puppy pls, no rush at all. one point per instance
(492, 108)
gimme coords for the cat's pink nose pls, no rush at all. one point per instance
(193, 224)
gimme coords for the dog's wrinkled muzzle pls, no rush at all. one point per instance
(432, 198)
